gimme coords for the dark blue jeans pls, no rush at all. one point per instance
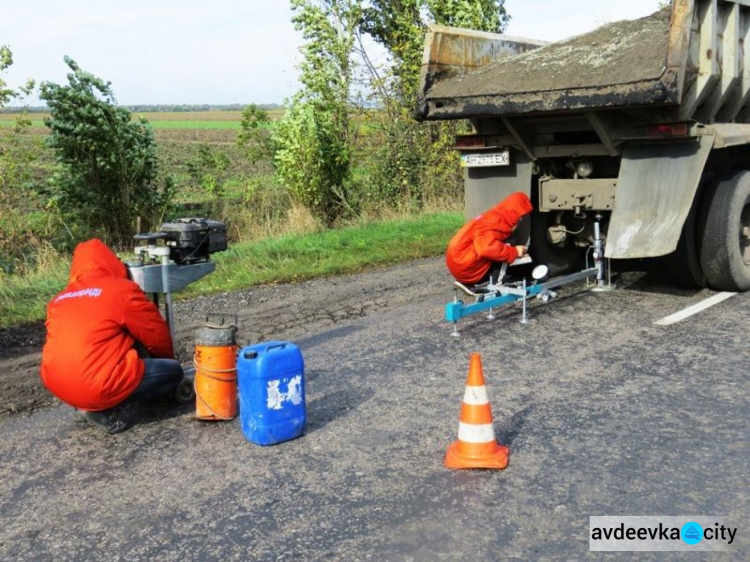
(159, 379)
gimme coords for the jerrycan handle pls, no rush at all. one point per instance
(264, 348)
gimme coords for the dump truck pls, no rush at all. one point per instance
(640, 129)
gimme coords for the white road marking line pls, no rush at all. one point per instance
(695, 309)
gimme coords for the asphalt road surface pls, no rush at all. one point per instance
(605, 413)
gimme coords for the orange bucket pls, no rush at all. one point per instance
(216, 372)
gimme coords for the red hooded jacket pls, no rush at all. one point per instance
(88, 360)
(481, 241)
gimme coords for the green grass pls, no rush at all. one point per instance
(295, 258)
(24, 299)
(273, 260)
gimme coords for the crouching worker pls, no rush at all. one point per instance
(483, 244)
(106, 341)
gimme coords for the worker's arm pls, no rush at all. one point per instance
(144, 322)
(489, 246)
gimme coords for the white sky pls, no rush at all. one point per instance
(215, 51)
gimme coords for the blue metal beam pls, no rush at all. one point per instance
(454, 311)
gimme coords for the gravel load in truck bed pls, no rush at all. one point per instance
(609, 59)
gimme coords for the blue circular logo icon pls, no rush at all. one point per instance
(691, 533)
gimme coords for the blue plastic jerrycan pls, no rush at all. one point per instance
(271, 384)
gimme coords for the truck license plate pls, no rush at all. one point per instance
(478, 159)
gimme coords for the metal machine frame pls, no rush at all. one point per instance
(495, 293)
(157, 275)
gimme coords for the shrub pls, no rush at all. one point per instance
(108, 161)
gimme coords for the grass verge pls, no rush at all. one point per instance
(273, 260)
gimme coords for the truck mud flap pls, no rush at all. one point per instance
(655, 190)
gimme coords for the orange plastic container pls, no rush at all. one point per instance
(216, 372)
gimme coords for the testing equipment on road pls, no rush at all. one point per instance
(171, 259)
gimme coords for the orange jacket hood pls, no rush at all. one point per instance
(94, 259)
(509, 211)
(481, 241)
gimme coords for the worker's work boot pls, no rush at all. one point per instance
(79, 416)
(111, 421)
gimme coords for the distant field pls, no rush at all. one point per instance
(185, 124)
(167, 119)
(7, 119)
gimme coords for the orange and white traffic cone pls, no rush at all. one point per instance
(476, 446)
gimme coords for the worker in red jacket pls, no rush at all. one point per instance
(106, 341)
(476, 251)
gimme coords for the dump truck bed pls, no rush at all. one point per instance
(618, 64)
(687, 56)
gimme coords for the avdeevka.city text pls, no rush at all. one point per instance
(663, 533)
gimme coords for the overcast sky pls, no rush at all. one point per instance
(217, 51)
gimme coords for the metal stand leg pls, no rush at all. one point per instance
(491, 314)
(163, 253)
(524, 314)
(455, 333)
(599, 260)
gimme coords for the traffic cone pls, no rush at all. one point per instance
(476, 446)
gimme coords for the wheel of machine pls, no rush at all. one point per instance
(184, 393)
(559, 258)
(725, 241)
(683, 266)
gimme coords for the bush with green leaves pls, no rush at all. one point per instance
(209, 170)
(255, 134)
(312, 141)
(108, 160)
(312, 160)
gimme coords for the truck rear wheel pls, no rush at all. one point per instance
(725, 245)
(683, 266)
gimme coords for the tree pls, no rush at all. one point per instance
(108, 160)
(417, 158)
(483, 15)
(399, 26)
(312, 141)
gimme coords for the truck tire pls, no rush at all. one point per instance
(683, 266)
(560, 259)
(725, 244)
